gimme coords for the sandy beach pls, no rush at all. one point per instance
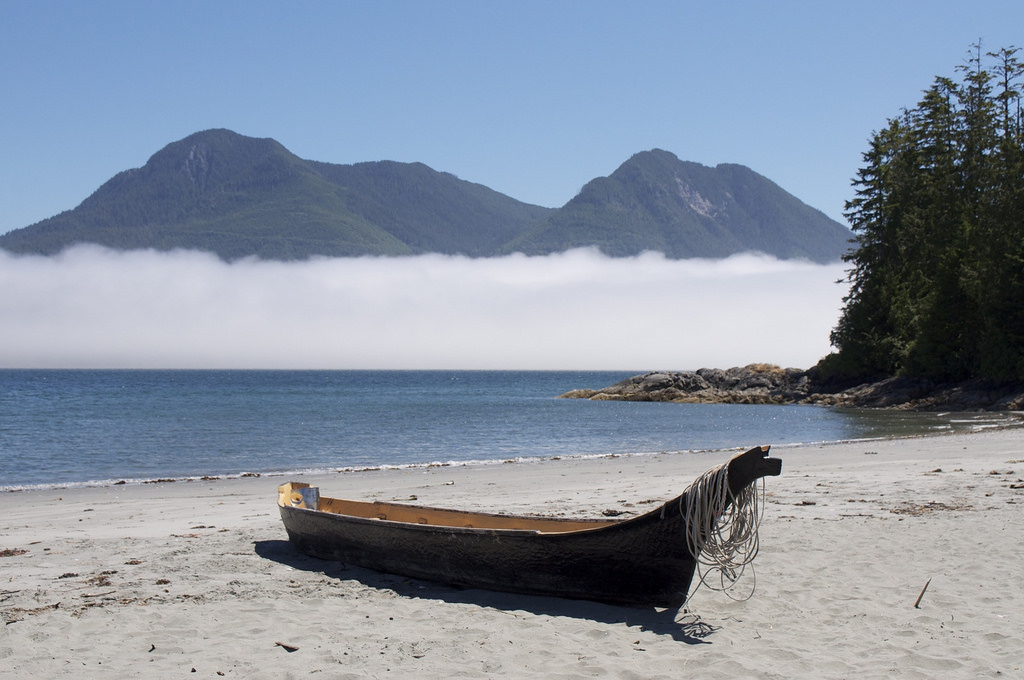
(197, 579)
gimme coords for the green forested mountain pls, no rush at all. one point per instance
(214, 191)
(937, 277)
(238, 196)
(654, 201)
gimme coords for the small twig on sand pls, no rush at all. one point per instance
(109, 592)
(918, 602)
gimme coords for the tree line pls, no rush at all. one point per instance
(937, 268)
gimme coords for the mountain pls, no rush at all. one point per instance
(654, 201)
(238, 196)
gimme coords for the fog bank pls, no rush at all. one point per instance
(95, 308)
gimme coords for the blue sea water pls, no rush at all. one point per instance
(77, 427)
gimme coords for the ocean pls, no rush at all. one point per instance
(96, 427)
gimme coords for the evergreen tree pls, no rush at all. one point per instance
(866, 335)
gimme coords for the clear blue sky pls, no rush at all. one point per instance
(530, 98)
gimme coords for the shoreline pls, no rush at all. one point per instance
(157, 579)
(1018, 423)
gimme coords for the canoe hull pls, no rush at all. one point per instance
(601, 564)
(641, 561)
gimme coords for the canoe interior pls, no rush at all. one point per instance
(291, 495)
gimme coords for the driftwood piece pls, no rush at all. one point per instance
(917, 604)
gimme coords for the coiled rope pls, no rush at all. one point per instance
(722, 535)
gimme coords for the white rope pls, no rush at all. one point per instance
(721, 539)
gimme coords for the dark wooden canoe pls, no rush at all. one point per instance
(640, 561)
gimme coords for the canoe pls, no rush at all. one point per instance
(645, 560)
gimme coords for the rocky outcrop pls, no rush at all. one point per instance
(920, 394)
(768, 384)
(754, 384)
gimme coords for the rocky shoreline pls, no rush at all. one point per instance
(769, 384)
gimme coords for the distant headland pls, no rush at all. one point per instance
(769, 384)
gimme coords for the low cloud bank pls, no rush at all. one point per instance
(95, 308)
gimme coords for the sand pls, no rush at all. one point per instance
(196, 579)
